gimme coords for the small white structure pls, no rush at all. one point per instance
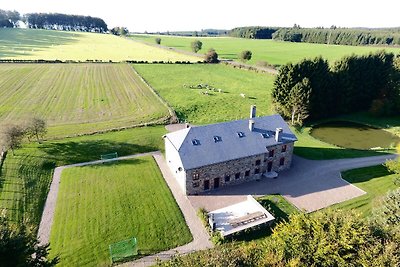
(238, 217)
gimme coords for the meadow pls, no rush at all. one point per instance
(102, 204)
(77, 98)
(26, 176)
(191, 105)
(274, 52)
(61, 45)
(376, 181)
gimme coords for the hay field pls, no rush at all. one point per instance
(51, 45)
(76, 98)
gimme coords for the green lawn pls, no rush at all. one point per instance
(375, 180)
(102, 204)
(77, 98)
(274, 52)
(62, 45)
(25, 178)
(197, 108)
(278, 206)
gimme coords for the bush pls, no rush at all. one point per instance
(158, 40)
(245, 55)
(211, 56)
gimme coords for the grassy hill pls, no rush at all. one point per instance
(273, 52)
(51, 45)
(77, 98)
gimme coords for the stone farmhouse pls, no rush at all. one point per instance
(207, 157)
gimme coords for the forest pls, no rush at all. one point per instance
(56, 21)
(312, 89)
(339, 36)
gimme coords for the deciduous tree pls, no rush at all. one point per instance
(36, 128)
(12, 136)
(196, 46)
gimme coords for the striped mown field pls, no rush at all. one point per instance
(63, 45)
(102, 204)
(77, 98)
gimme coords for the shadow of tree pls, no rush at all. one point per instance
(319, 153)
(17, 42)
(365, 174)
(74, 152)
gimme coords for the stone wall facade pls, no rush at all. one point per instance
(238, 171)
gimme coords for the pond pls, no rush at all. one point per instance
(354, 135)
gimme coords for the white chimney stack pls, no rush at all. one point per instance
(252, 111)
(251, 125)
(278, 134)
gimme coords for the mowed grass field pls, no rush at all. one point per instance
(172, 81)
(375, 180)
(102, 204)
(77, 98)
(26, 176)
(62, 45)
(273, 52)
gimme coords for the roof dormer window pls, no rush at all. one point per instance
(195, 142)
(265, 135)
(217, 138)
(240, 134)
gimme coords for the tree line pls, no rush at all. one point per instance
(339, 36)
(9, 19)
(256, 32)
(56, 21)
(311, 89)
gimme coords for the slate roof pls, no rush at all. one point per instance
(199, 146)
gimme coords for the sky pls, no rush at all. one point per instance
(180, 15)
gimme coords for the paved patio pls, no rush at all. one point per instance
(310, 185)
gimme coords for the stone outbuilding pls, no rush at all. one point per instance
(207, 157)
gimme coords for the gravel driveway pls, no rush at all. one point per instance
(310, 185)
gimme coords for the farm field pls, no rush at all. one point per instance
(274, 52)
(26, 176)
(102, 204)
(196, 108)
(172, 83)
(77, 98)
(61, 45)
(375, 180)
